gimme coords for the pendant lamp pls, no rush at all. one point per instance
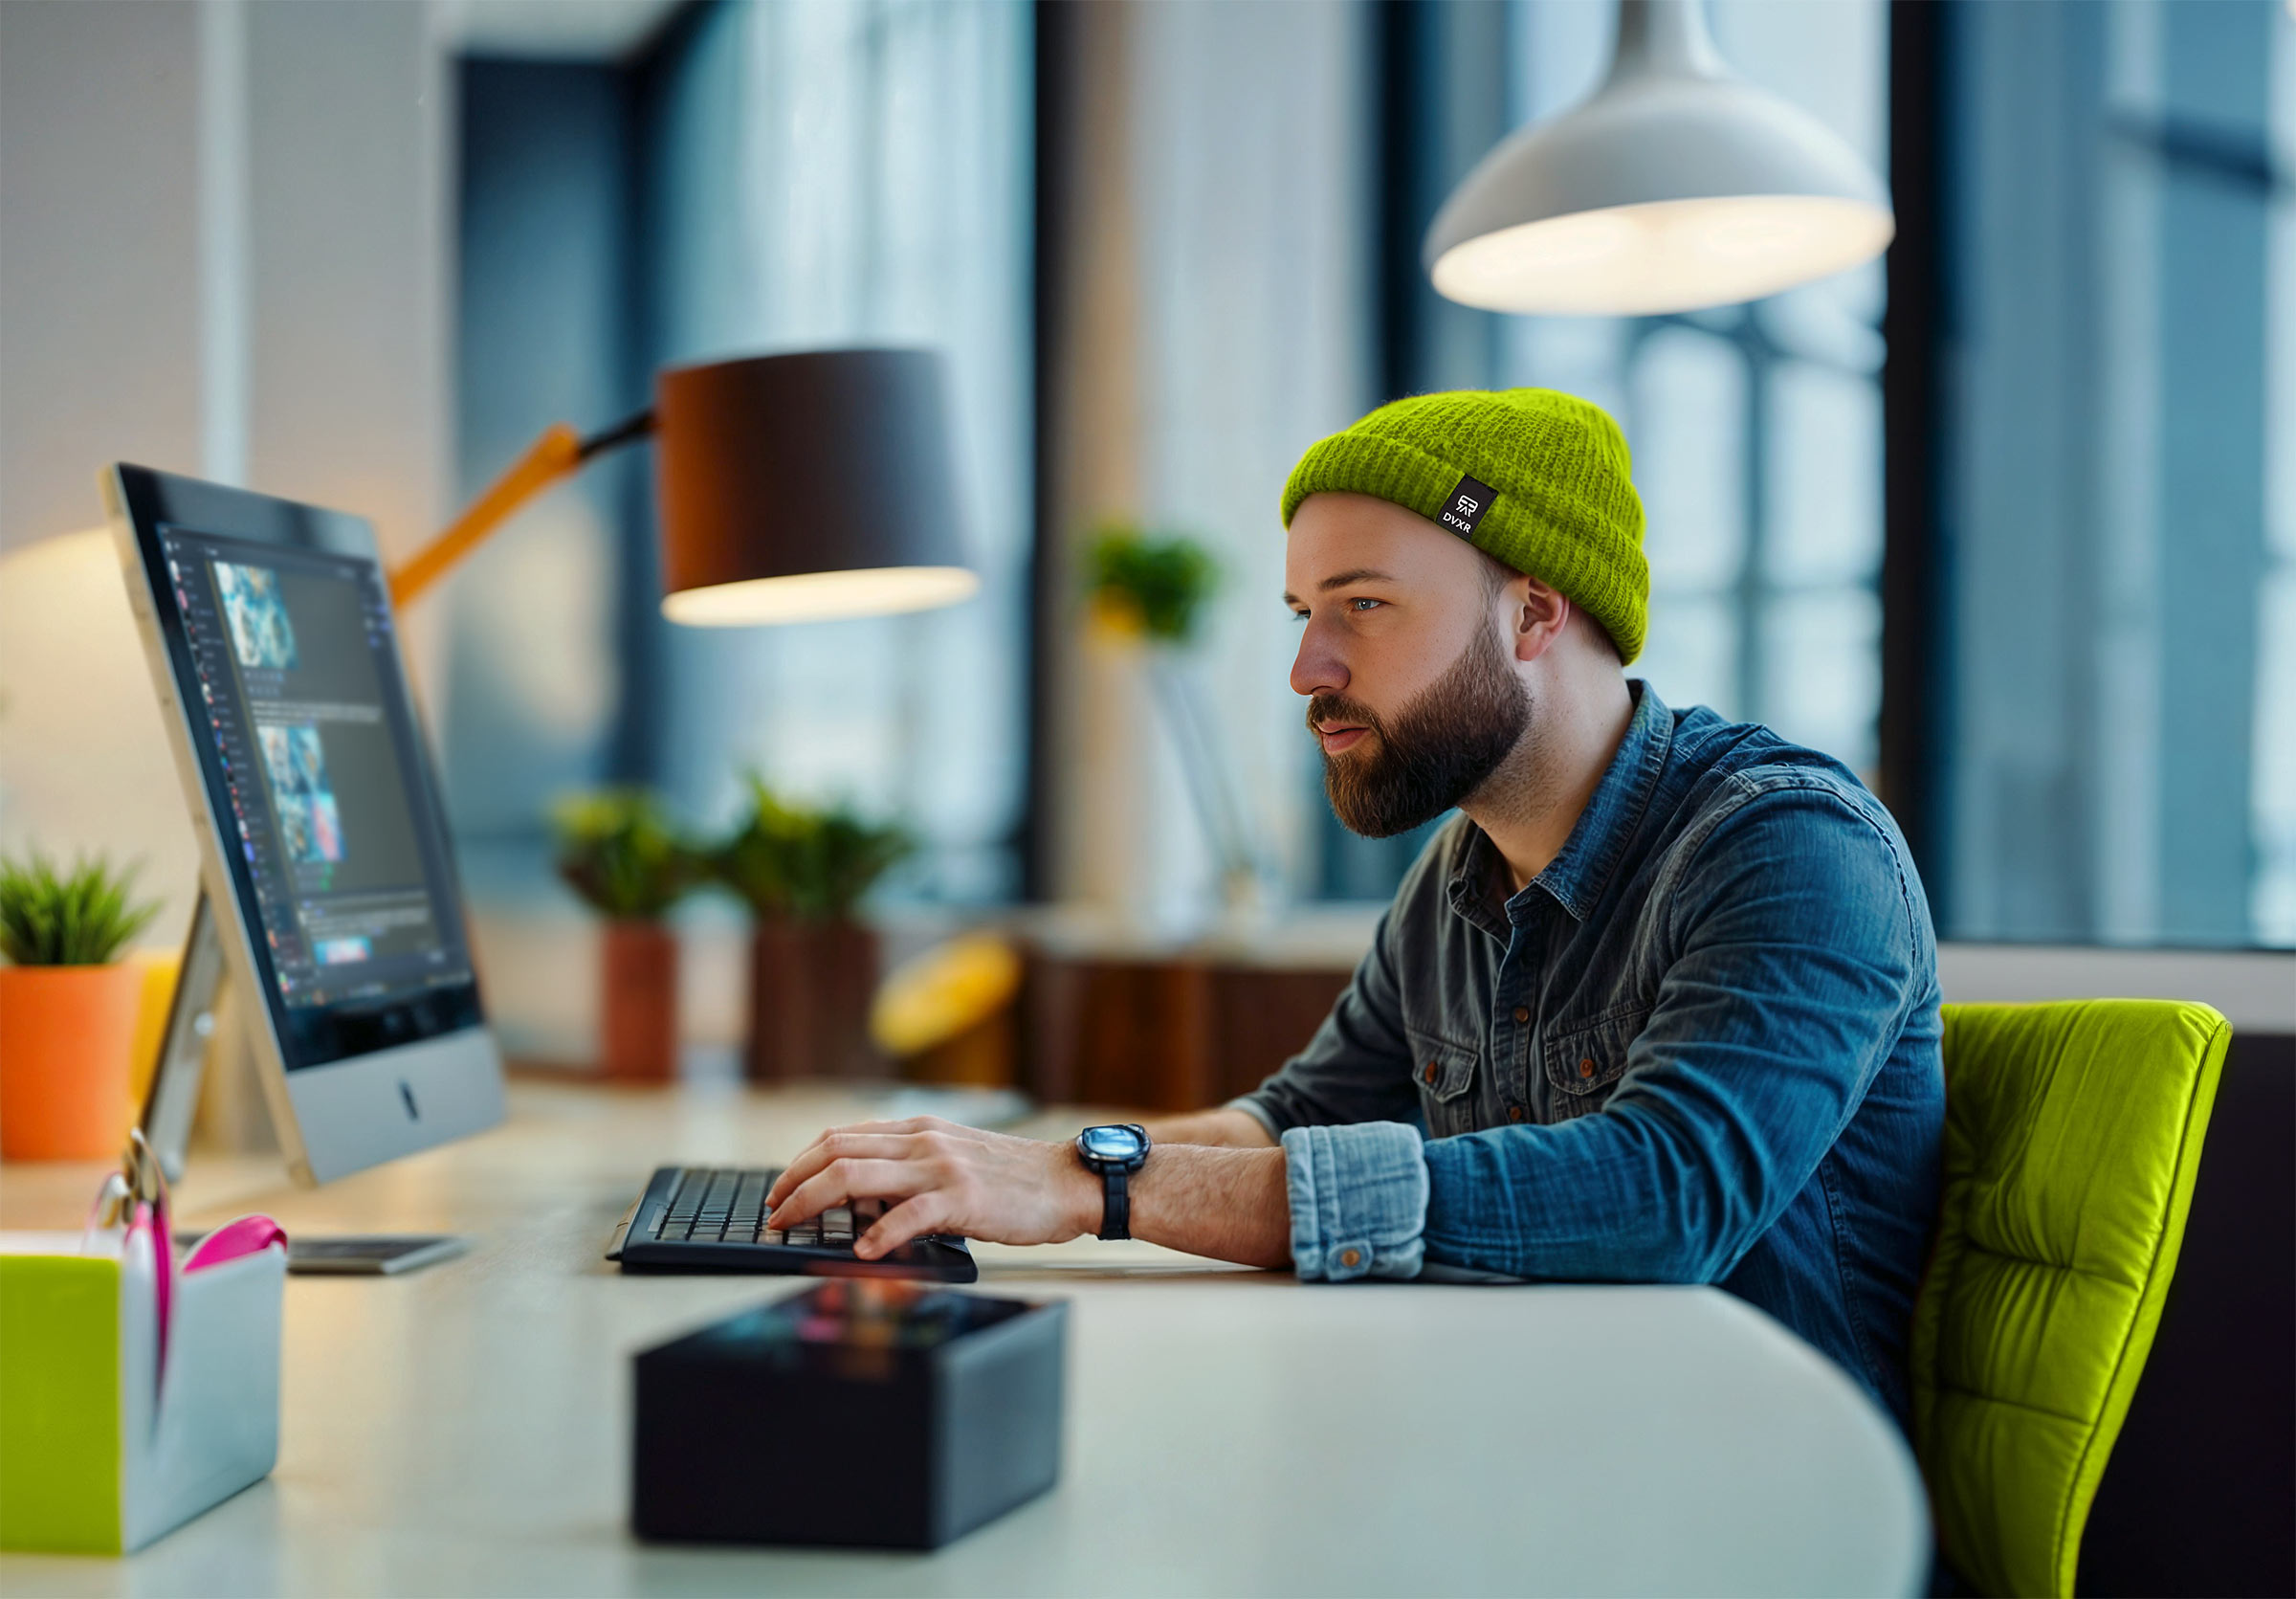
(1675, 186)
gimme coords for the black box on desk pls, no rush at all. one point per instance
(861, 1411)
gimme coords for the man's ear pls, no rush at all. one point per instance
(1538, 616)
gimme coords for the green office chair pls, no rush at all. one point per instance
(2072, 1135)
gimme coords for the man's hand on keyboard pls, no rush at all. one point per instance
(934, 1176)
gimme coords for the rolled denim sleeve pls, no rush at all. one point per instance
(1358, 1200)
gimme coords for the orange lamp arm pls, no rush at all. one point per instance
(556, 455)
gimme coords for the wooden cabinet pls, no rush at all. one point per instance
(1165, 1032)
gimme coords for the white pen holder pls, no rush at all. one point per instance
(101, 1450)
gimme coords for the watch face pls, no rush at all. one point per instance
(1113, 1143)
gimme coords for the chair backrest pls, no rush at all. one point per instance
(2072, 1136)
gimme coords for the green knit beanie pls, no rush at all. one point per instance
(1535, 479)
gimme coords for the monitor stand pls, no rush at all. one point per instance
(174, 1101)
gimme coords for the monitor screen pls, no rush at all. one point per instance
(317, 784)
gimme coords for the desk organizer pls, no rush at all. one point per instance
(102, 1450)
(860, 1412)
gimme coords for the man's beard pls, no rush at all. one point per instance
(1439, 751)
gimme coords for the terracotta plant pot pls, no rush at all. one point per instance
(67, 1039)
(638, 1023)
(810, 984)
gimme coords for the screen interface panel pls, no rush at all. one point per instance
(318, 786)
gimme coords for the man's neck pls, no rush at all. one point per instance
(1528, 805)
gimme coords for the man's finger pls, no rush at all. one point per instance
(906, 1124)
(912, 1218)
(837, 1143)
(808, 1161)
(843, 1181)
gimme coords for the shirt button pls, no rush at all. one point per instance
(1522, 1013)
(1514, 1113)
(1428, 1076)
(1586, 1067)
(1351, 1258)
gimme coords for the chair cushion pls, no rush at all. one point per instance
(2073, 1137)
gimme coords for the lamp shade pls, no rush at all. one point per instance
(807, 486)
(1675, 186)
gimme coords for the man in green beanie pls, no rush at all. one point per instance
(1658, 1005)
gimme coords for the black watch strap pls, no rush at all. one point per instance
(1115, 1214)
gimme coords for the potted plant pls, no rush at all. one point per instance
(813, 964)
(68, 1007)
(1152, 590)
(618, 850)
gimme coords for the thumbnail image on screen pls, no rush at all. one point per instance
(310, 822)
(261, 636)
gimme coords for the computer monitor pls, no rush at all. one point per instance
(324, 861)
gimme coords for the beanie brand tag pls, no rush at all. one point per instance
(1464, 509)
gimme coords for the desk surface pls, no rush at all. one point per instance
(464, 1429)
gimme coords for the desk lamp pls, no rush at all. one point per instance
(1674, 185)
(792, 488)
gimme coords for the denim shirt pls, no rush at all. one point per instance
(1702, 1046)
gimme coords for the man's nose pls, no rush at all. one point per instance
(1317, 668)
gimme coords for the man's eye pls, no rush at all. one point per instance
(1362, 603)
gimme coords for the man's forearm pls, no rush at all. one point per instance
(1223, 1128)
(1227, 1204)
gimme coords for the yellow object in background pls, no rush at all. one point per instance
(949, 989)
(947, 1015)
(160, 970)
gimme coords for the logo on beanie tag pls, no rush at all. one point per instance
(1466, 505)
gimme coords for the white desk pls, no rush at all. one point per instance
(464, 1430)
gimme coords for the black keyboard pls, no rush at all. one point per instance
(713, 1219)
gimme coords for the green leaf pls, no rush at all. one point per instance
(83, 918)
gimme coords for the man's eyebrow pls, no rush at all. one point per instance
(1341, 580)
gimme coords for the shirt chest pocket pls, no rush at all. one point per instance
(1444, 1073)
(1585, 1064)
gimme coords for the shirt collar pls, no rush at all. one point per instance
(1576, 877)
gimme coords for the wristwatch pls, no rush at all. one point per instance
(1115, 1152)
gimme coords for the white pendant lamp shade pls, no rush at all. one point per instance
(1675, 186)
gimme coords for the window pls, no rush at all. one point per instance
(770, 177)
(2117, 531)
(1757, 429)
